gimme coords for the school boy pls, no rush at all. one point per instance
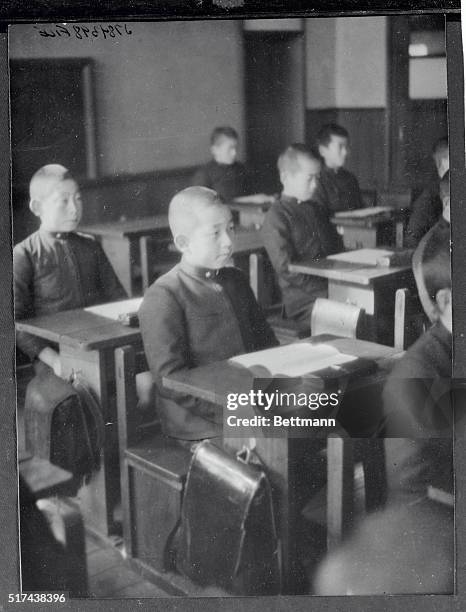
(417, 396)
(199, 312)
(224, 173)
(296, 228)
(337, 189)
(409, 546)
(427, 208)
(441, 232)
(55, 269)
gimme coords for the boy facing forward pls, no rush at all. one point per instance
(224, 173)
(338, 189)
(199, 312)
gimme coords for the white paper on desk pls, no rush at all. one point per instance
(362, 256)
(114, 310)
(362, 213)
(294, 359)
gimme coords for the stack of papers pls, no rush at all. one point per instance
(367, 257)
(294, 359)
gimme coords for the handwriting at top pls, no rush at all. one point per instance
(81, 32)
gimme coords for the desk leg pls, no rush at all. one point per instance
(399, 231)
(340, 488)
(144, 260)
(99, 497)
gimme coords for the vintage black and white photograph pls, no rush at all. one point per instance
(233, 307)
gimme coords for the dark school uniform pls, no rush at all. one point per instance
(294, 231)
(338, 190)
(194, 316)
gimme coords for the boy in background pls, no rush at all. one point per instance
(224, 173)
(297, 228)
(427, 208)
(199, 312)
(338, 189)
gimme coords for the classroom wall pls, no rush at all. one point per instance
(346, 62)
(346, 83)
(158, 92)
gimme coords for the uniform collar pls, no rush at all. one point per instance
(199, 271)
(332, 171)
(290, 200)
(55, 235)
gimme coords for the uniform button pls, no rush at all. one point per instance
(208, 274)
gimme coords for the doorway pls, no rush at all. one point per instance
(274, 82)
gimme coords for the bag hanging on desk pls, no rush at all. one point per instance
(63, 422)
(227, 536)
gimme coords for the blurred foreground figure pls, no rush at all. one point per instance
(401, 550)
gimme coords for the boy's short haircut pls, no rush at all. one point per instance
(440, 146)
(223, 131)
(445, 186)
(436, 264)
(328, 130)
(48, 172)
(289, 159)
(185, 205)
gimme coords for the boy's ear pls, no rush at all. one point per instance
(283, 176)
(322, 150)
(35, 208)
(181, 242)
(443, 299)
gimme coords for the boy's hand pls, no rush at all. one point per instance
(52, 359)
(145, 390)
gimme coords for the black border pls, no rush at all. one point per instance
(17, 11)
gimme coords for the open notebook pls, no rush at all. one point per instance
(118, 311)
(294, 359)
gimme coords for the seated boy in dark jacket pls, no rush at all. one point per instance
(297, 228)
(427, 208)
(199, 312)
(55, 269)
(417, 396)
(337, 189)
(224, 173)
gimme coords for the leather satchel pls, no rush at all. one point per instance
(63, 423)
(227, 536)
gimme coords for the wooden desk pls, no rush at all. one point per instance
(378, 229)
(125, 244)
(86, 344)
(280, 455)
(370, 287)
